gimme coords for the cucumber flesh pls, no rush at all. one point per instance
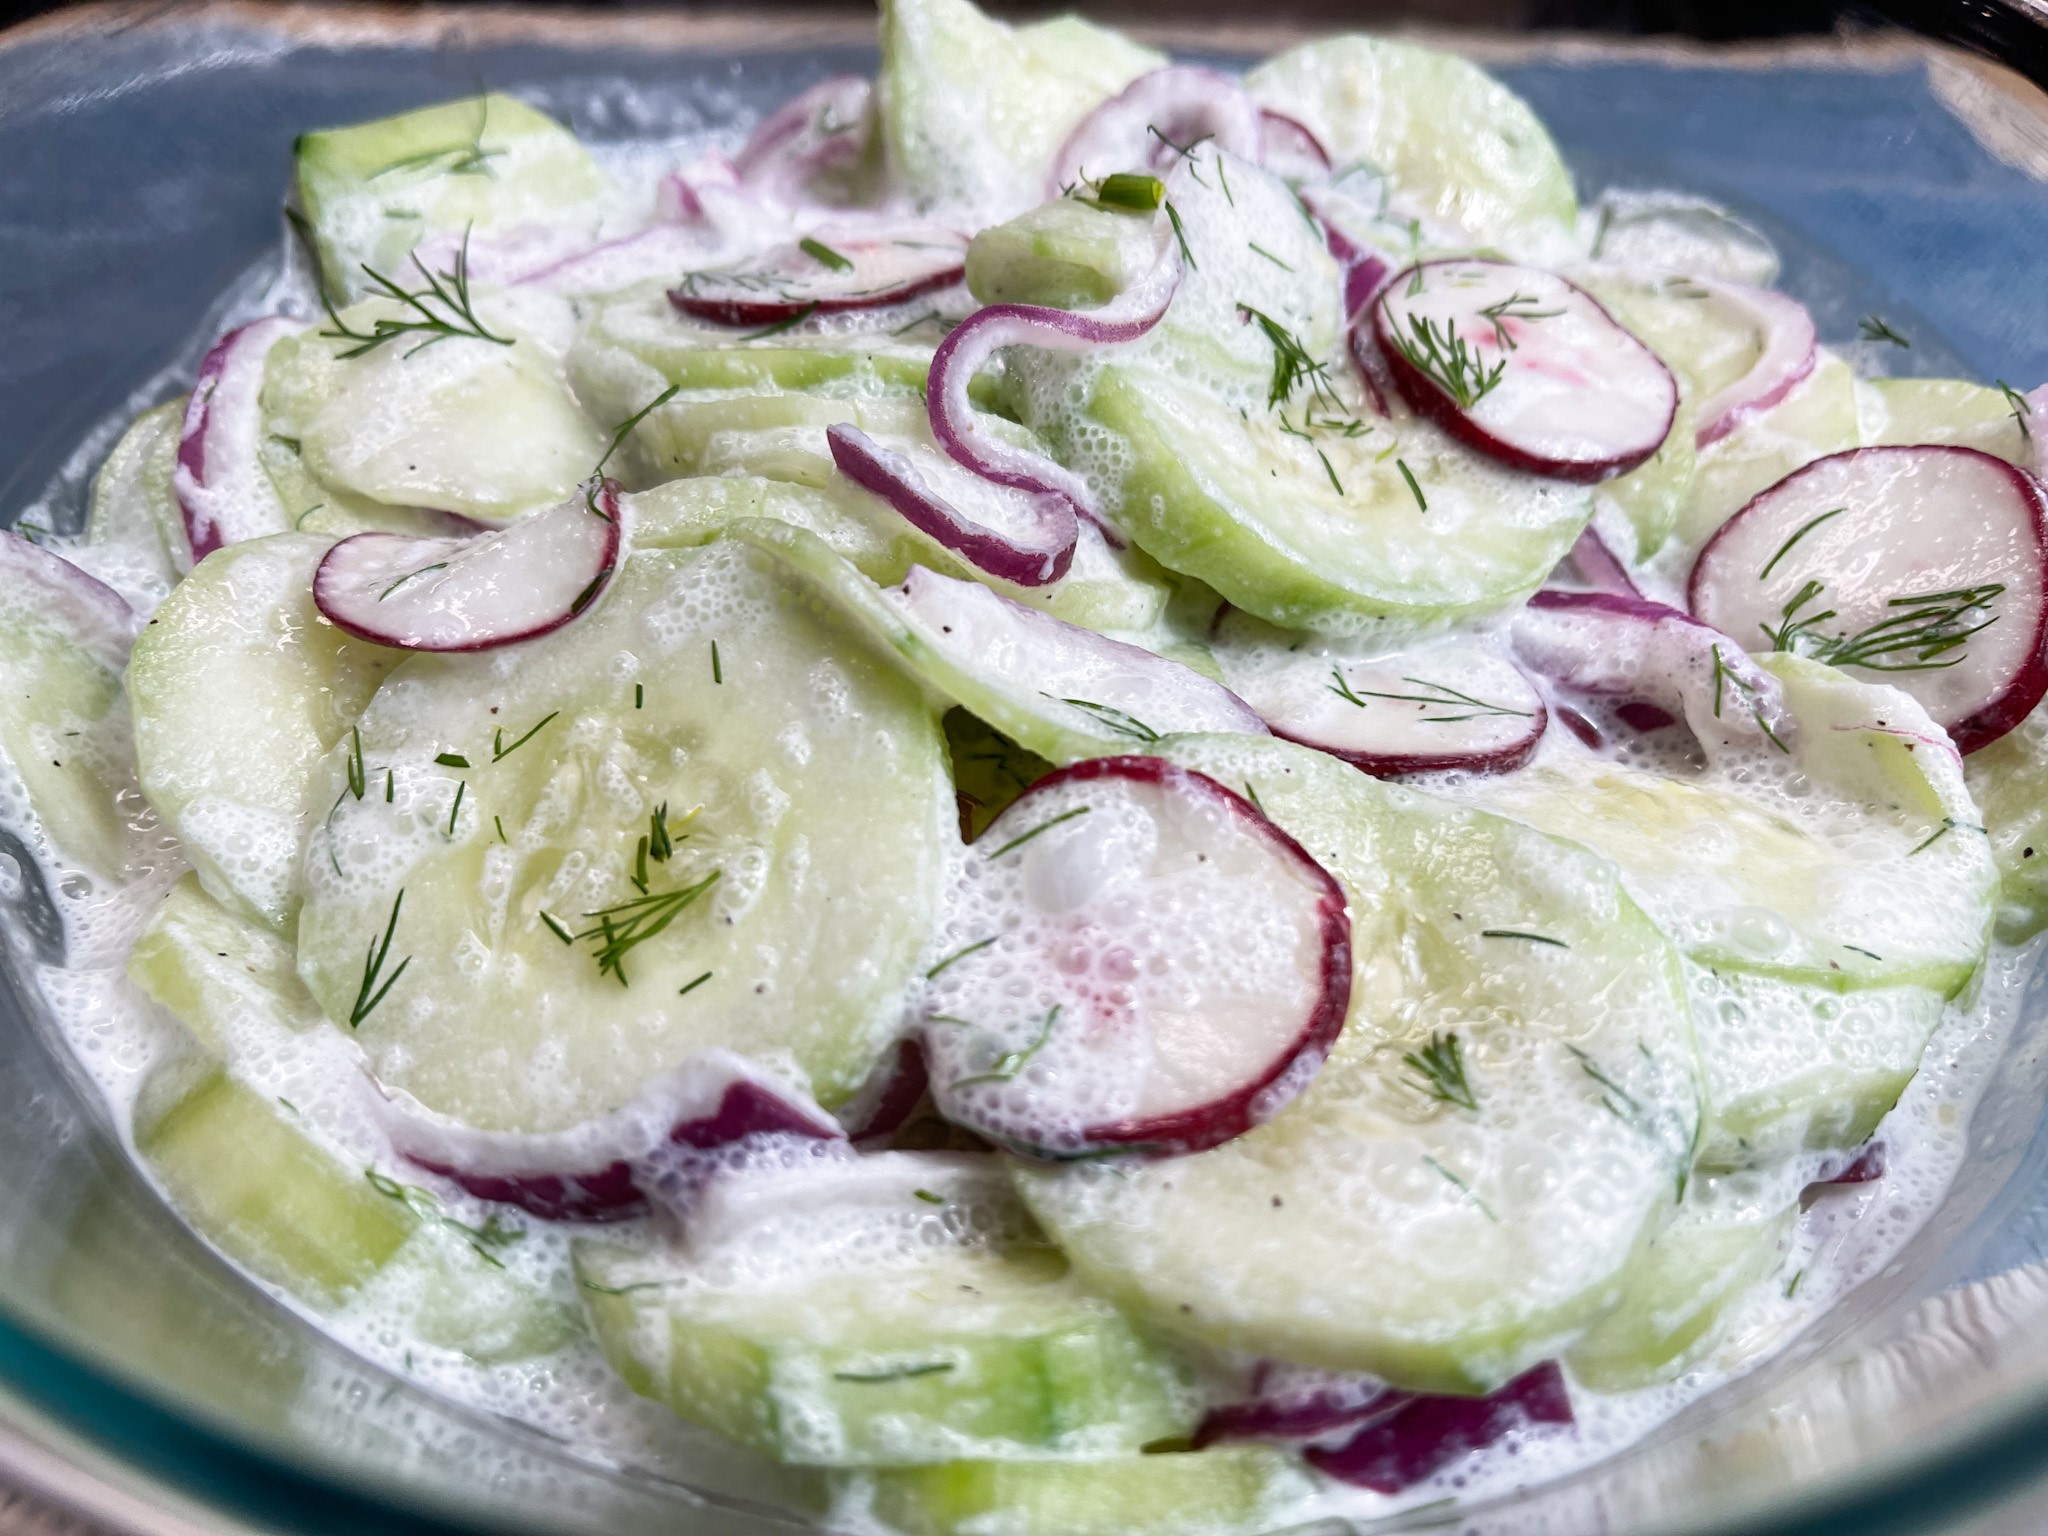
(2009, 781)
(134, 512)
(1064, 253)
(219, 974)
(239, 688)
(1460, 148)
(489, 165)
(1377, 1224)
(1817, 418)
(487, 429)
(703, 678)
(1915, 411)
(1177, 1493)
(1647, 499)
(1799, 865)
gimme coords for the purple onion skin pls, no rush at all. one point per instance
(1867, 1167)
(1642, 715)
(903, 1089)
(1432, 1432)
(749, 1109)
(1307, 1416)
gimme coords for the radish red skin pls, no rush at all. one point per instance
(1427, 399)
(1397, 765)
(1219, 1120)
(2028, 684)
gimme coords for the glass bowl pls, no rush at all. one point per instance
(144, 1383)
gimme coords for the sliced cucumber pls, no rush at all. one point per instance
(239, 687)
(456, 1293)
(486, 428)
(1649, 497)
(488, 164)
(781, 436)
(797, 770)
(1461, 148)
(133, 505)
(1380, 1223)
(311, 506)
(1817, 418)
(1679, 1292)
(1855, 859)
(953, 1353)
(2009, 780)
(1911, 411)
(1254, 511)
(989, 770)
(218, 973)
(1063, 253)
(973, 110)
(1180, 1493)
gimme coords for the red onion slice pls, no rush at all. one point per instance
(1591, 564)
(1925, 568)
(1787, 349)
(1168, 969)
(1430, 1433)
(1292, 1405)
(54, 591)
(220, 482)
(1524, 366)
(818, 130)
(829, 270)
(593, 1172)
(1026, 537)
(513, 583)
(1631, 650)
(1152, 120)
(977, 339)
(1290, 149)
(883, 1105)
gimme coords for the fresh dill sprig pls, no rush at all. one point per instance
(557, 929)
(499, 823)
(2020, 409)
(441, 311)
(1448, 361)
(1516, 933)
(1873, 328)
(1183, 150)
(1924, 627)
(1433, 696)
(1514, 307)
(1117, 720)
(1261, 250)
(1180, 236)
(1043, 826)
(1439, 1069)
(370, 994)
(960, 954)
(358, 776)
(1252, 794)
(626, 427)
(499, 751)
(1948, 824)
(660, 846)
(455, 810)
(471, 158)
(823, 254)
(1010, 1063)
(622, 927)
(1463, 1188)
(1293, 364)
(438, 565)
(1415, 490)
(1785, 548)
(1330, 470)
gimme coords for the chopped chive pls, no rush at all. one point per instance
(1871, 953)
(1139, 194)
(691, 986)
(1252, 795)
(499, 823)
(589, 593)
(1421, 502)
(1044, 826)
(960, 954)
(557, 929)
(498, 748)
(639, 695)
(822, 253)
(899, 1373)
(390, 786)
(1516, 933)
(928, 1197)
(455, 810)
(358, 780)
(452, 760)
(717, 670)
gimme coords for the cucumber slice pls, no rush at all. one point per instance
(989, 770)
(2009, 781)
(1648, 498)
(1378, 1223)
(1914, 411)
(973, 110)
(1461, 148)
(1063, 253)
(217, 973)
(457, 1294)
(258, 1188)
(238, 688)
(134, 509)
(781, 436)
(488, 164)
(1679, 1292)
(311, 506)
(1179, 1493)
(706, 681)
(1856, 859)
(1252, 509)
(1817, 418)
(486, 428)
(1791, 1068)
(932, 1351)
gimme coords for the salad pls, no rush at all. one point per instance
(1082, 795)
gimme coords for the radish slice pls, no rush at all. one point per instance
(1786, 351)
(1457, 706)
(816, 131)
(975, 341)
(886, 1101)
(83, 608)
(1926, 568)
(1154, 119)
(1628, 650)
(1525, 367)
(220, 483)
(1289, 148)
(1027, 537)
(593, 1172)
(826, 272)
(1293, 1405)
(1168, 969)
(1595, 567)
(513, 583)
(1429, 1433)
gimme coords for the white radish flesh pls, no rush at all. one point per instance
(1154, 118)
(472, 594)
(220, 482)
(1922, 567)
(1168, 968)
(1524, 366)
